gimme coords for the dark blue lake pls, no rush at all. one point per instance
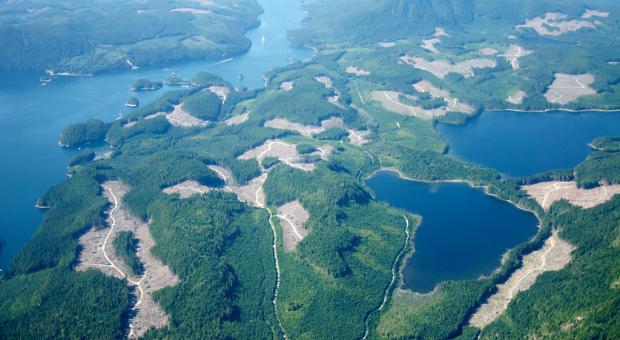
(463, 234)
(520, 144)
(32, 116)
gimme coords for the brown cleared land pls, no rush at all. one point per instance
(553, 256)
(293, 217)
(547, 193)
(555, 24)
(566, 88)
(98, 253)
(441, 68)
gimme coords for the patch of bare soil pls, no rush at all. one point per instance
(286, 86)
(293, 217)
(387, 44)
(440, 32)
(304, 130)
(358, 138)
(441, 68)
(547, 193)
(517, 97)
(149, 117)
(191, 10)
(285, 152)
(513, 53)
(187, 189)
(220, 91)
(567, 88)
(452, 104)
(390, 100)
(98, 253)
(555, 24)
(429, 44)
(554, 255)
(487, 51)
(327, 81)
(181, 118)
(238, 119)
(590, 13)
(360, 72)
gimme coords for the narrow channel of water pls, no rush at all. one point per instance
(463, 234)
(32, 117)
(520, 144)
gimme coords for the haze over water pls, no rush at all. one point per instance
(32, 117)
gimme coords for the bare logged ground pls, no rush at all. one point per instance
(513, 53)
(149, 117)
(547, 193)
(567, 88)
(452, 104)
(387, 44)
(360, 72)
(180, 118)
(187, 189)
(220, 91)
(327, 81)
(304, 130)
(293, 217)
(517, 97)
(554, 255)
(487, 51)
(429, 44)
(390, 101)
(238, 119)
(98, 253)
(441, 68)
(191, 10)
(555, 24)
(286, 86)
(590, 13)
(358, 138)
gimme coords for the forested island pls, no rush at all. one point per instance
(244, 213)
(77, 38)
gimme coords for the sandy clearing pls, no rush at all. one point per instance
(426, 86)
(360, 72)
(238, 119)
(293, 217)
(187, 189)
(441, 68)
(286, 86)
(567, 88)
(513, 53)
(304, 130)
(358, 138)
(327, 81)
(440, 32)
(547, 193)
(285, 152)
(181, 118)
(98, 252)
(220, 91)
(149, 117)
(387, 44)
(553, 256)
(517, 97)
(429, 44)
(452, 104)
(487, 51)
(191, 10)
(590, 13)
(391, 102)
(555, 24)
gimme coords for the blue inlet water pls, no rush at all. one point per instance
(520, 144)
(32, 117)
(463, 234)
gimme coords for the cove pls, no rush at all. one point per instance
(32, 117)
(521, 144)
(463, 234)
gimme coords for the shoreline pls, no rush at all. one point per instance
(553, 110)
